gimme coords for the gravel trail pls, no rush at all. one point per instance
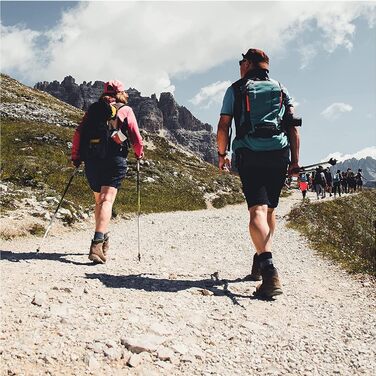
(170, 315)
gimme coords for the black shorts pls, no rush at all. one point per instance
(105, 172)
(262, 184)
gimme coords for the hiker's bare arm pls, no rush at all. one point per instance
(294, 138)
(222, 140)
(222, 133)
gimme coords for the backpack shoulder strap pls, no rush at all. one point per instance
(282, 96)
(118, 106)
(236, 87)
(114, 121)
(240, 97)
(238, 101)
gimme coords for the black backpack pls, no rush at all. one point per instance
(319, 179)
(101, 121)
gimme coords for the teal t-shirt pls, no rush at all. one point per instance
(276, 142)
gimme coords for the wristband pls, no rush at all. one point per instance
(222, 155)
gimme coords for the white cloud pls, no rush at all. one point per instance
(307, 52)
(147, 44)
(364, 153)
(210, 94)
(295, 103)
(335, 110)
(17, 48)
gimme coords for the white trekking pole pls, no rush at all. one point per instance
(138, 209)
(57, 209)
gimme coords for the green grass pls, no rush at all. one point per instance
(342, 229)
(29, 160)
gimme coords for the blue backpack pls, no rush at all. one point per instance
(258, 108)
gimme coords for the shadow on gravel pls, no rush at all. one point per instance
(23, 256)
(219, 287)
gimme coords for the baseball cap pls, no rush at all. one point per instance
(258, 58)
(113, 87)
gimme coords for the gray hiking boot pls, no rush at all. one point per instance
(255, 271)
(270, 286)
(96, 252)
(106, 245)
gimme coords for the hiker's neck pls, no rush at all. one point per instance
(257, 73)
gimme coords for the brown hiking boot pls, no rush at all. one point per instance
(96, 252)
(270, 286)
(106, 245)
(256, 270)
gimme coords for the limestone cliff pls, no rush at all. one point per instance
(158, 116)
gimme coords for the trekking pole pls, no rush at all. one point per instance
(57, 209)
(331, 161)
(138, 209)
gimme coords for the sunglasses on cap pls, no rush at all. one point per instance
(242, 61)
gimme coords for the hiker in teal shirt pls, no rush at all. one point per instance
(266, 133)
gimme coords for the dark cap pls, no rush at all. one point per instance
(258, 57)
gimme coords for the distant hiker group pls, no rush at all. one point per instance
(322, 181)
(266, 146)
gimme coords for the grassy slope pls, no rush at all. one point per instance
(342, 229)
(28, 160)
(13, 92)
(36, 154)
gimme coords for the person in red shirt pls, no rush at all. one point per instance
(303, 184)
(105, 172)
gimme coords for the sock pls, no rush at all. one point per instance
(266, 261)
(98, 235)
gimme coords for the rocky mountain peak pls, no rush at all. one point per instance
(153, 115)
(68, 81)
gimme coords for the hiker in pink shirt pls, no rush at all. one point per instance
(101, 141)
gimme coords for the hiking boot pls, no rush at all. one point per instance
(106, 246)
(96, 252)
(255, 271)
(270, 286)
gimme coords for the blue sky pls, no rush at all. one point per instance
(323, 52)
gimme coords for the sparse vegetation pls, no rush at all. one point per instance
(342, 229)
(37, 229)
(285, 192)
(15, 93)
